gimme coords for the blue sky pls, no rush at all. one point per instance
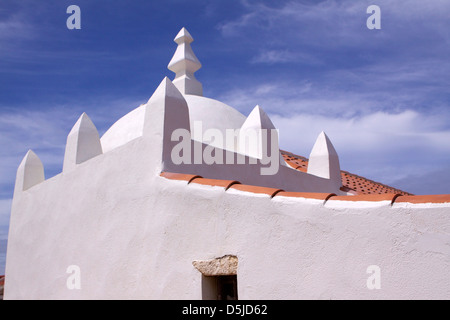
(382, 96)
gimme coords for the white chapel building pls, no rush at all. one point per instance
(186, 198)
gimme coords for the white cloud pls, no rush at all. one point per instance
(284, 56)
(296, 21)
(273, 56)
(372, 132)
(15, 27)
(327, 30)
(311, 96)
(338, 15)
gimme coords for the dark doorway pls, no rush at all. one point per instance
(219, 288)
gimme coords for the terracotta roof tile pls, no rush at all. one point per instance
(351, 182)
(215, 182)
(296, 162)
(434, 198)
(179, 176)
(256, 189)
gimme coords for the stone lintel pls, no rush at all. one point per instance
(223, 266)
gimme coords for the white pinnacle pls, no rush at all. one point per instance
(83, 143)
(256, 126)
(324, 161)
(256, 121)
(29, 173)
(184, 63)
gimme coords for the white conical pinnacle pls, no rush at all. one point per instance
(166, 114)
(167, 110)
(324, 161)
(83, 143)
(29, 173)
(250, 134)
(184, 63)
(258, 119)
(259, 128)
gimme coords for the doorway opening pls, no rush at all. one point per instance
(219, 287)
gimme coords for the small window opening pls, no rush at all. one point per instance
(219, 287)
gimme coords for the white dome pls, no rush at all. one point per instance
(127, 128)
(211, 113)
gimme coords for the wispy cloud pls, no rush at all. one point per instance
(296, 21)
(15, 27)
(273, 56)
(283, 56)
(342, 93)
(334, 31)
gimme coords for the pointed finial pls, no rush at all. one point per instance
(184, 63)
(29, 173)
(83, 143)
(324, 161)
(252, 130)
(259, 119)
(183, 36)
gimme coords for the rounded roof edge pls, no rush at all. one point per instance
(211, 113)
